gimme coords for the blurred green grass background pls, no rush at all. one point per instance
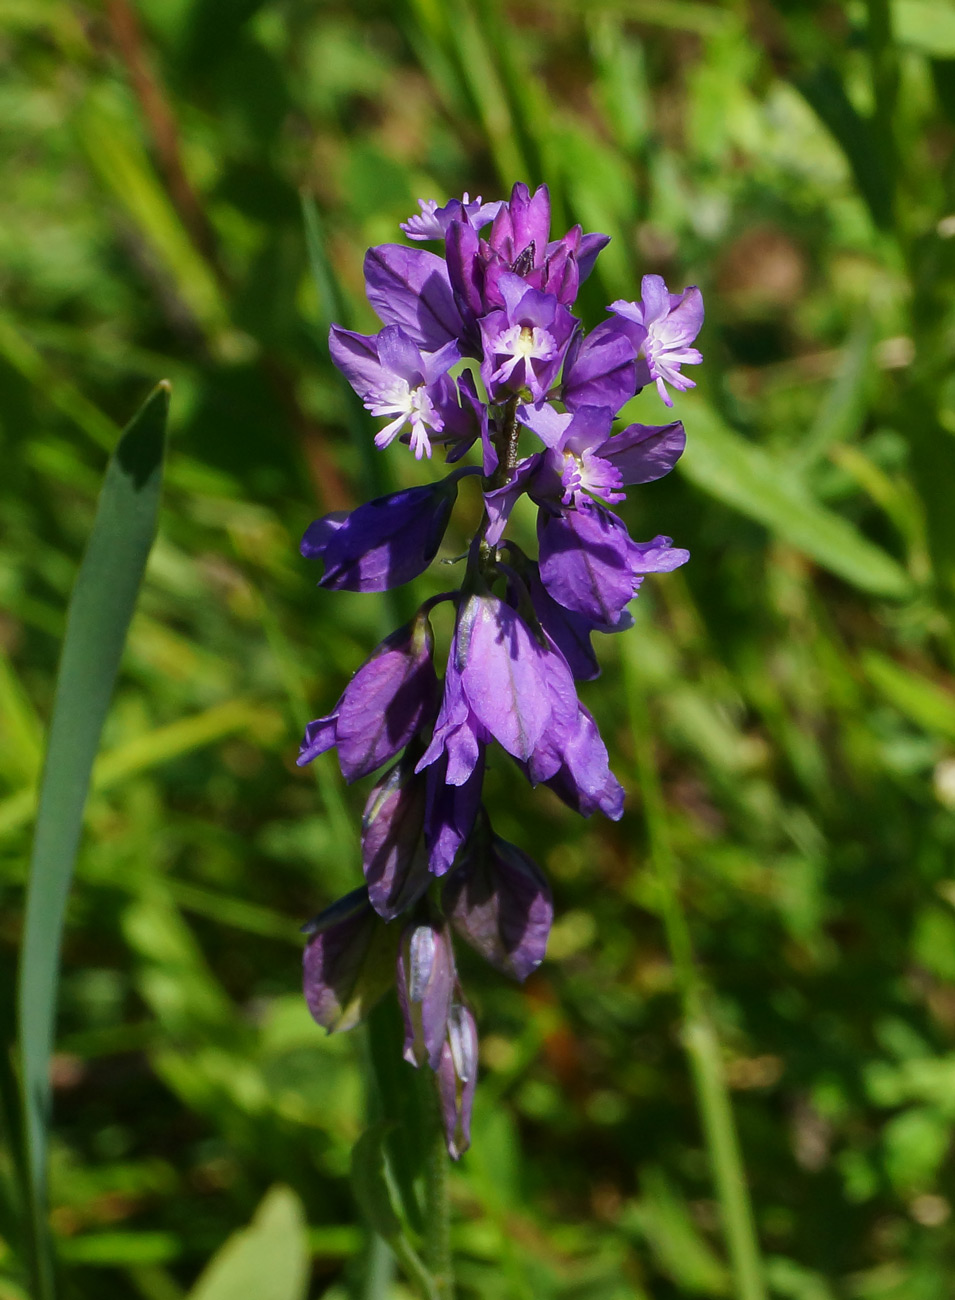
(796, 161)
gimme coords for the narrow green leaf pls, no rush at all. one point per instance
(151, 749)
(865, 151)
(379, 1200)
(370, 1181)
(268, 1260)
(921, 700)
(842, 410)
(747, 478)
(926, 26)
(116, 154)
(376, 479)
(101, 607)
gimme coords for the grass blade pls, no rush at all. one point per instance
(101, 607)
(746, 477)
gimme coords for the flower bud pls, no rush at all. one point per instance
(385, 543)
(425, 981)
(348, 963)
(457, 1076)
(383, 706)
(393, 854)
(499, 902)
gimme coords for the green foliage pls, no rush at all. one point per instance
(796, 162)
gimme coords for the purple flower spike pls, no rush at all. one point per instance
(394, 378)
(497, 299)
(426, 977)
(517, 688)
(457, 1076)
(384, 705)
(498, 901)
(392, 849)
(663, 326)
(348, 963)
(410, 287)
(385, 543)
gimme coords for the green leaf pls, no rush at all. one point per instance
(268, 1260)
(925, 25)
(865, 150)
(101, 607)
(380, 1202)
(371, 1183)
(921, 700)
(747, 478)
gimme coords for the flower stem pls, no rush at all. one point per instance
(699, 1033)
(437, 1198)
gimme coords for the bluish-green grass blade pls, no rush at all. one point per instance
(101, 607)
(749, 479)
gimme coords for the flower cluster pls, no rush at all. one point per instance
(499, 297)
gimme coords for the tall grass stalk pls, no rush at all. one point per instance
(699, 1033)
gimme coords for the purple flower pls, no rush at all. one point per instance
(348, 962)
(519, 241)
(521, 228)
(459, 738)
(569, 631)
(517, 688)
(432, 222)
(450, 811)
(582, 456)
(589, 564)
(383, 706)
(410, 287)
(457, 1075)
(426, 978)
(385, 543)
(662, 326)
(599, 369)
(498, 901)
(583, 778)
(524, 342)
(392, 846)
(394, 378)
(517, 244)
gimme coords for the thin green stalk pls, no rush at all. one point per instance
(699, 1035)
(379, 1270)
(437, 1198)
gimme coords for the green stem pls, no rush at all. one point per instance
(699, 1034)
(437, 1197)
